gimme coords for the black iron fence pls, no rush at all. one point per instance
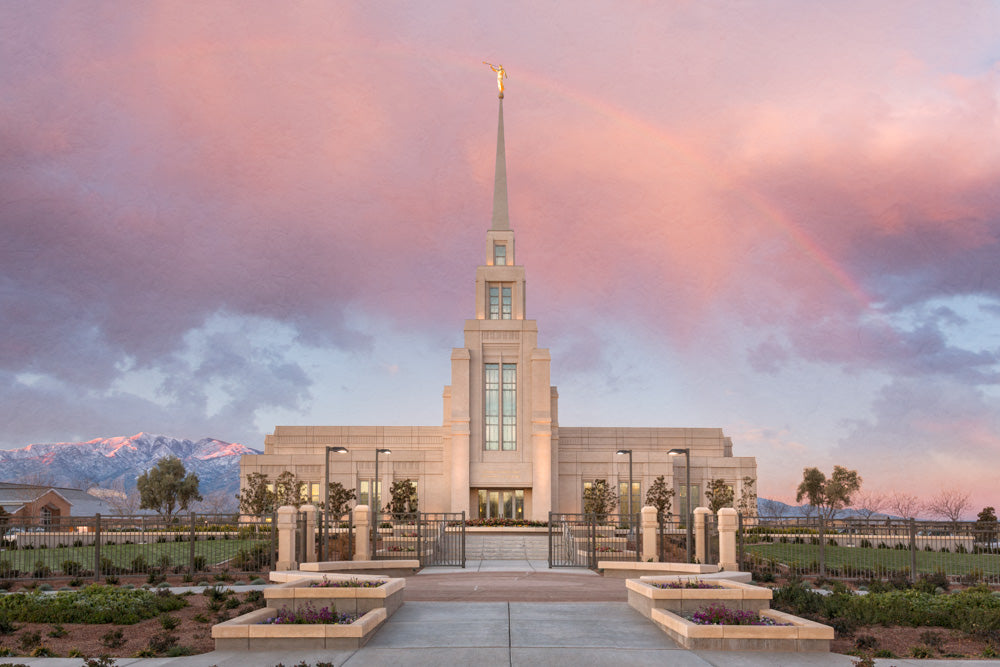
(581, 540)
(89, 548)
(672, 540)
(964, 551)
(431, 538)
(335, 538)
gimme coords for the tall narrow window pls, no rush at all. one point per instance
(500, 301)
(509, 408)
(491, 423)
(500, 398)
(499, 255)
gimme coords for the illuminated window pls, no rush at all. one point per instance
(500, 418)
(500, 302)
(499, 255)
(623, 498)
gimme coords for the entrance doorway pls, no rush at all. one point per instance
(501, 503)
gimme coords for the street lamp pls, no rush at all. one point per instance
(326, 492)
(375, 490)
(687, 494)
(622, 452)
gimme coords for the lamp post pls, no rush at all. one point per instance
(326, 492)
(375, 489)
(687, 494)
(622, 452)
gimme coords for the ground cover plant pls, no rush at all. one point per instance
(896, 619)
(717, 614)
(308, 615)
(697, 583)
(170, 632)
(347, 583)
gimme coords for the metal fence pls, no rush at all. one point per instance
(581, 540)
(89, 548)
(336, 536)
(672, 540)
(431, 538)
(964, 551)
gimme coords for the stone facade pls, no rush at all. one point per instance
(500, 450)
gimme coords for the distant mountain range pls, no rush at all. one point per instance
(775, 508)
(104, 461)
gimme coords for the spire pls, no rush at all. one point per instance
(501, 221)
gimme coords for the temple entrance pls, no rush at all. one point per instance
(501, 503)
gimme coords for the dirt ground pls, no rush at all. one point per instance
(901, 640)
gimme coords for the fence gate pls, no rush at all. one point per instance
(581, 540)
(432, 538)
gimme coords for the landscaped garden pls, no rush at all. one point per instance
(119, 621)
(896, 619)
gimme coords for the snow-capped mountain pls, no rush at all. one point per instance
(104, 460)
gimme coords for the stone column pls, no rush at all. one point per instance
(727, 539)
(699, 533)
(362, 531)
(287, 518)
(649, 529)
(310, 554)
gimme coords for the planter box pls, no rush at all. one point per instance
(627, 569)
(298, 593)
(247, 633)
(801, 635)
(644, 597)
(385, 568)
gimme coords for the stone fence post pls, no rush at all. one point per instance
(362, 533)
(649, 534)
(310, 512)
(727, 539)
(699, 533)
(287, 518)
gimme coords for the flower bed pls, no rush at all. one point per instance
(675, 594)
(686, 583)
(722, 615)
(355, 594)
(306, 615)
(254, 632)
(789, 633)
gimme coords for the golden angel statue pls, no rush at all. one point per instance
(501, 75)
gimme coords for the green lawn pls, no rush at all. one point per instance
(215, 552)
(846, 559)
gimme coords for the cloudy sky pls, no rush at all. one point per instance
(779, 218)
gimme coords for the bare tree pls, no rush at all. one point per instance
(217, 502)
(122, 500)
(904, 504)
(949, 504)
(870, 503)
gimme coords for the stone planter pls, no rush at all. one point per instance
(801, 635)
(644, 597)
(247, 633)
(297, 593)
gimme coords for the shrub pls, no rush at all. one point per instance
(111, 580)
(933, 639)
(169, 622)
(921, 652)
(7, 627)
(866, 643)
(113, 638)
(162, 642)
(57, 631)
(865, 544)
(42, 652)
(70, 568)
(139, 564)
(41, 570)
(29, 640)
(199, 563)
(107, 566)
(254, 559)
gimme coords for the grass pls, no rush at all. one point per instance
(847, 559)
(213, 551)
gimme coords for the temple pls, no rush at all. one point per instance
(500, 451)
